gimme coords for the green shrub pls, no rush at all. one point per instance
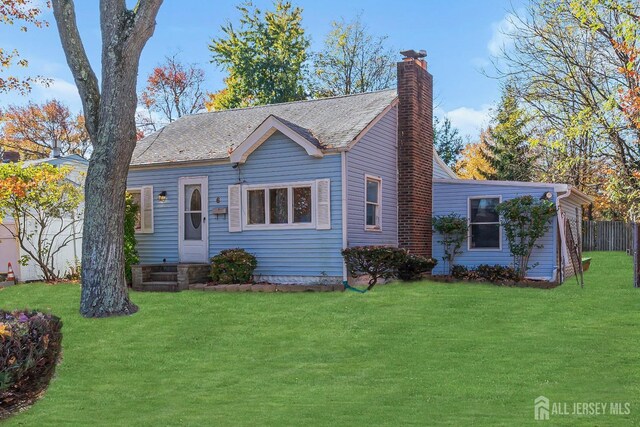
(378, 262)
(452, 229)
(496, 273)
(30, 348)
(525, 219)
(459, 271)
(413, 266)
(490, 273)
(233, 266)
(130, 251)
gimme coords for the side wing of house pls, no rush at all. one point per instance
(372, 185)
(440, 168)
(280, 189)
(486, 242)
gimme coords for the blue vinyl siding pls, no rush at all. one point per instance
(280, 252)
(375, 154)
(439, 172)
(452, 197)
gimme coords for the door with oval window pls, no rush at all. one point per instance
(192, 221)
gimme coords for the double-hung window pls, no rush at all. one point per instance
(142, 197)
(484, 223)
(280, 206)
(373, 203)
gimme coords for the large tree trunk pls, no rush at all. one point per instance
(104, 289)
(110, 120)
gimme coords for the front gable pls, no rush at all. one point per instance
(267, 128)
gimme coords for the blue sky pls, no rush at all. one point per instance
(460, 37)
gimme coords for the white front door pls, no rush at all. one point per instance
(192, 221)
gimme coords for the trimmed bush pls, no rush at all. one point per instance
(414, 266)
(452, 229)
(31, 343)
(233, 266)
(490, 273)
(496, 273)
(378, 262)
(459, 271)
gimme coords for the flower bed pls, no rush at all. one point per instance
(525, 283)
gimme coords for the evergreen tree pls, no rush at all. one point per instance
(264, 57)
(447, 140)
(507, 151)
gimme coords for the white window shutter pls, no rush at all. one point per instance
(323, 204)
(235, 208)
(146, 210)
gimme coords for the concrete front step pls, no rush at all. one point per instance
(158, 286)
(164, 276)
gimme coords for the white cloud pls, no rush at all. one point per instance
(470, 121)
(61, 90)
(500, 38)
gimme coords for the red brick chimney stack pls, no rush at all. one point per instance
(415, 153)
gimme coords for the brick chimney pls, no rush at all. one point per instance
(10, 157)
(415, 153)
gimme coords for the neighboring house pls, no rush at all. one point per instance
(69, 256)
(295, 183)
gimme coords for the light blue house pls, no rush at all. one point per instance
(295, 183)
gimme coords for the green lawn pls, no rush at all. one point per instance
(423, 353)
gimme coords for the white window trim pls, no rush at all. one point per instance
(469, 248)
(290, 225)
(374, 228)
(138, 190)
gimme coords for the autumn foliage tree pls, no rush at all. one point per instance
(43, 204)
(472, 164)
(575, 64)
(173, 90)
(35, 129)
(24, 13)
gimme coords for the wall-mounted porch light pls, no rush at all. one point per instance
(546, 196)
(162, 197)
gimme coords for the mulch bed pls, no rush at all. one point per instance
(527, 283)
(265, 287)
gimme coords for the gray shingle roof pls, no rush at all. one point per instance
(333, 122)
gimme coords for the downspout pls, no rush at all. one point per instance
(343, 159)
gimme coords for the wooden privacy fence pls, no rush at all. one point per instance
(607, 236)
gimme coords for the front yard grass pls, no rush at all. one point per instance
(422, 353)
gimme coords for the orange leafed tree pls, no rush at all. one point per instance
(472, 162)
(34, 129)
(173, 90)
(23, 13)
(44, 205)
